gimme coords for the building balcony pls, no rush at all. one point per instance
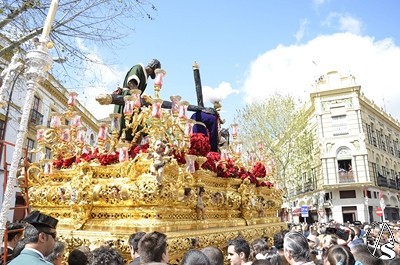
(392, 184)
(346, 177)
(374, 141)
(383, 146)
(308, 186)
(36, 117)
(382, 181)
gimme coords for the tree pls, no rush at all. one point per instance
(102, 22)
(278, 126)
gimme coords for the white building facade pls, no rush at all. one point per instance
(356, 173)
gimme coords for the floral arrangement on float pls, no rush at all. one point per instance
(174, 128)
(224, 167)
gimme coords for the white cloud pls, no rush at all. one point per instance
(319, 2)
(101, 79)
(300, 33)
(290, 69)
(343, 22)
(219, 93)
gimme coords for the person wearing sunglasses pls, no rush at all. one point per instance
(40, 238)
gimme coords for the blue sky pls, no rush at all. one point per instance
(249, 49)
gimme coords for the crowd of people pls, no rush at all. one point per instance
(301, 244)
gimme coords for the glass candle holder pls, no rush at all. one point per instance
(251, 158)
(137, 100)
(65, 133)
(41, 130)
(175, 105)
(129, 105)
(72, 99)
(76, 120)
(260, 145)
(81, 134)
(123, 150)
(103, 130)
(156, 110)
(48, 167)
(224, 154)
(115, 122)
(190, 163)
(183, 105)
(234, 130)
(158, 81)
(189, 127)
(268, 170)
(238, 148)
(55, 121)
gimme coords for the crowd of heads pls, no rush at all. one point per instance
(299, 244)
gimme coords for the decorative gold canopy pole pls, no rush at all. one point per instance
(38, 62)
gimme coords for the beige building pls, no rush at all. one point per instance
(357, 157)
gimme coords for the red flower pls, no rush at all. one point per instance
(68, 161)
(179, 156)
(211, 163)
(107, 159)
(58, 163)
(199, 144)
(259, 170)
(137, 149)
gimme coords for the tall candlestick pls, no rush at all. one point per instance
(103, 129)
(81, 134)
(234, 128)
(183, 105)
(50, 19)
(174, 105)
(156, 111)
(72, 99)
(76, 120)
(41, 129)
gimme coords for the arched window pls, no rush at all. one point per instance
(92, 142)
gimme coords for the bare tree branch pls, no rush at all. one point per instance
(91, 22)
(16, 44)
(15, 13)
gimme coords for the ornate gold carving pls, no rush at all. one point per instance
(97, 203)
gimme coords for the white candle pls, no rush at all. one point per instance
(50, 18)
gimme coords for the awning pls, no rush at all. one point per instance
(296, 211)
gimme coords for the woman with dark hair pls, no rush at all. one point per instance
(195, 257)
(339, 255)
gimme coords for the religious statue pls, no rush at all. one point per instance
(200, 205)
(159, 156)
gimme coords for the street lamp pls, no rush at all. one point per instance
(38, 63)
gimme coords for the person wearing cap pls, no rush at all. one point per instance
(40, 237)
(14, 234)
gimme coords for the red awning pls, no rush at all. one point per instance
(296, 211)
